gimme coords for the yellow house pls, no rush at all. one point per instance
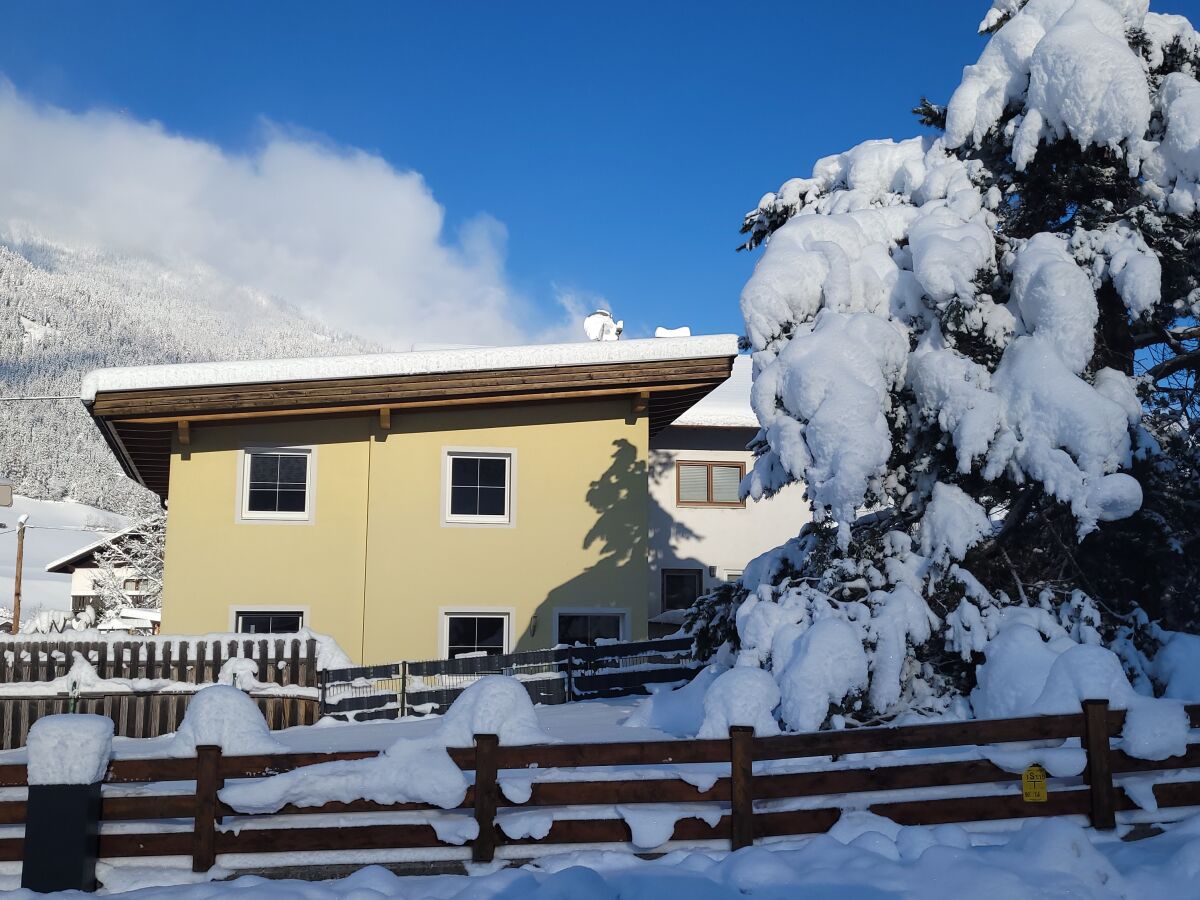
(411, 505)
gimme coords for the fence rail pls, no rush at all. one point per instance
(288, 661)
(750, 802)
(550, 676)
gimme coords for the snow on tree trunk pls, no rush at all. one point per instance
(946, 335)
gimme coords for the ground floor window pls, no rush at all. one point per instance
(681, 587)
(588, 628)
(269, 622)
(470, 634)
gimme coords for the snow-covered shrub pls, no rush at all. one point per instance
(495, 704)
(744, 695)
(957, 335)
(221, 715)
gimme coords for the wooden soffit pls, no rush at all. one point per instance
(139, 425)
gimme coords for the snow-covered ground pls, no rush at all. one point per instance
(863, 858)
(56, 529)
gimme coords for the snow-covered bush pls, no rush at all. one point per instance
(495, 704)
(954, 340)
(743, 695)
(222, 716)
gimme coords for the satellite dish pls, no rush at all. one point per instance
(600, 326)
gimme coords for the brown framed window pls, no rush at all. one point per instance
(708, 483)
(681, 587)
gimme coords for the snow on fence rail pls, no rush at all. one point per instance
(737, 808)
(550, 676)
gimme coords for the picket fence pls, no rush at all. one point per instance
(750, 799)
(281, 660)
(290, 663)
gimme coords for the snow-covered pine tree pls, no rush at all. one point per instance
(956, 339)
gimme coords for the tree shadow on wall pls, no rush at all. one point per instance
(618, 579)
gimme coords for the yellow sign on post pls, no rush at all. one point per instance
(1033, 784)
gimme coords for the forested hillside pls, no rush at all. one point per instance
(65, 311)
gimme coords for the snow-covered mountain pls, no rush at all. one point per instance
(64, 311)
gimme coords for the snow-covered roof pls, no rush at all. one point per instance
(424, 362)
(728, 406)
(82, 552)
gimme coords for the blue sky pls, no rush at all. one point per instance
(618, 143)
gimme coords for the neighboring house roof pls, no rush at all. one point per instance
(139, 409)
(130, 617)
(728, 406)
(84, 555)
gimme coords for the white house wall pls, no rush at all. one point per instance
(715, 539)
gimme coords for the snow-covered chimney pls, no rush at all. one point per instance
(600, 326)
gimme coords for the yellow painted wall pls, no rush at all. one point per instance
(378, 564)
(216, 564)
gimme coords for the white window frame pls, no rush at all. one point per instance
(254, 609)
(245, 514)
(509, 455)
(508, 613)
(621, 612)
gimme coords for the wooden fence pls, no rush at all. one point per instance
(550, 676)
(138, 714)
(750, 799)
(290, 661)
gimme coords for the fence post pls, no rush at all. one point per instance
(208, 782)
(403, 688)
(570, 675)
(741, 787)
(484, 847)
(322, 681)
(1099, 763)
(311, 659)
(68, 761)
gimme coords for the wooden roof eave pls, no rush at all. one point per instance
(137, 424)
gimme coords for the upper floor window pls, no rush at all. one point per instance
(708, 483)
(277, 484)
(479, 487)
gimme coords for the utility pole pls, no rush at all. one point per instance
(16, 611)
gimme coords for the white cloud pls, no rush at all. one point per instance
(337, 232)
